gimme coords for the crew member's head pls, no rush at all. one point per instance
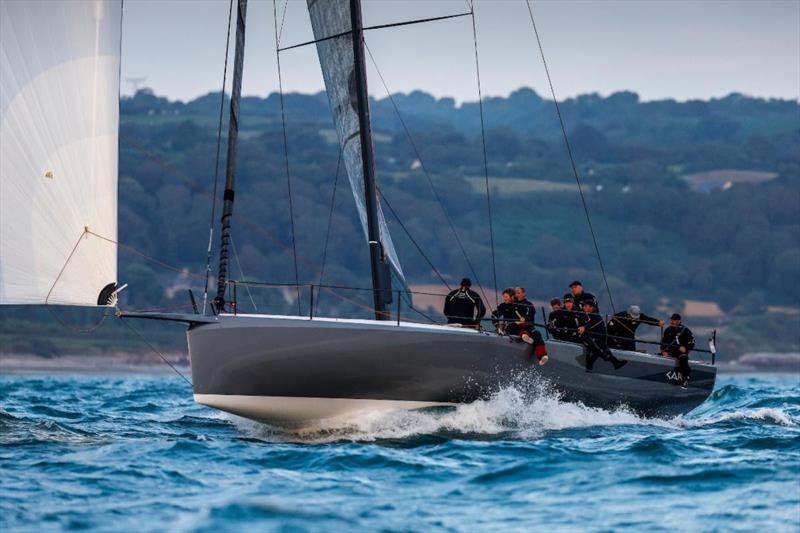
(555, 304)
(588, 306)
(508, 296)
(576, 287)
(675, 319)
(569, 302)
(634, 312)
(466, 283)
(519, 293)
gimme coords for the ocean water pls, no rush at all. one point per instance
(134, 453)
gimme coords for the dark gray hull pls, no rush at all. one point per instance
(290, 370)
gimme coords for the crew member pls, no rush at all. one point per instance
(677, 342)
(561, 323)
(505, 315)
(509, 318)
(526, 308)
(464, 306)
(527, 332)
(592, 334)
(580, 296)
(622, 327)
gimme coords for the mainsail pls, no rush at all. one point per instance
(59, 119)
(329, 18)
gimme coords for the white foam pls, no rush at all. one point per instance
(525, 413)
(766, 414)
(509, 411)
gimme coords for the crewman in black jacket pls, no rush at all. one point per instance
(510, 318)
(677, 342)
(505, 315)
(592, 334)
(527, 331)
(561, 323)
(580, 296)
(464, 306)
(622, 327)
(526, 308)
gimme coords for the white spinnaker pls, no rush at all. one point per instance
(59, 120)
(332, 17)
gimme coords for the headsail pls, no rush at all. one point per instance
(59, 113)
(332, 17)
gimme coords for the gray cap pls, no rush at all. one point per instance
(634, 311)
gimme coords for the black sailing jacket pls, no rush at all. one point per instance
(675, 337)
(563, 324)
(582, 298)
(621, 325)
(526, 310)
(460, 307)
(595, 328)
(505, 313)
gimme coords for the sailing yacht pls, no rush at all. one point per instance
(58, 244)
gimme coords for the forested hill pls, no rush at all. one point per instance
(695, 200)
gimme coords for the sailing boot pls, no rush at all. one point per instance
(526, 337)
(617, 363)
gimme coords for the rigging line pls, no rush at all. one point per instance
(406, 296)
(145, 256)
(241, 272)
(161, 355)
(408, 234)
(283, 19)
(427, 175)
(571, 158)
(47, 304)
(483, 143)
(216, 162)
(286, 155)
(195, 187)
(330, 222)
(378, 27)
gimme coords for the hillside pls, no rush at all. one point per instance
(732, 241)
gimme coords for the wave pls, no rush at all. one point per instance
(770, 415)
(510, 412)
(525, 413)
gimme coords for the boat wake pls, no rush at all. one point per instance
(517, 413)
(511, 412)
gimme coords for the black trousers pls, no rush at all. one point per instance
(683, 364)
(594, 351)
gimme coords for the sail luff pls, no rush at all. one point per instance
(230, 170)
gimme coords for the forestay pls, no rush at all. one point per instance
(59, 104)
(328, 18)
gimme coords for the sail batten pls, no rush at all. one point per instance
(59, 120)
(331, 23)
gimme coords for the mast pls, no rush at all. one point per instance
(230, 170)
(381, 276)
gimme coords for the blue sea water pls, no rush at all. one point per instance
(134, 453)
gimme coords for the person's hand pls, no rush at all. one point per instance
(682, 349)
(661, 323)
(581, 330)
(665, 354)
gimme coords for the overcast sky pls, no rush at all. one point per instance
(658, 48)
